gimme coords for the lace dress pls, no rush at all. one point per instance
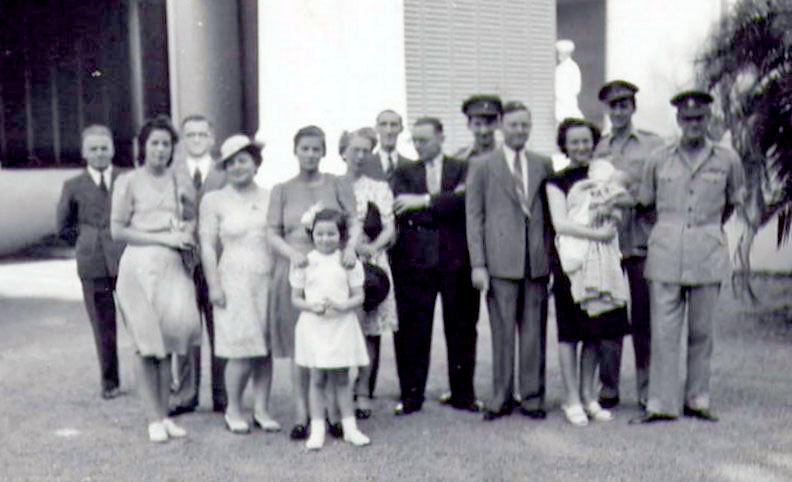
(384, 318)
(244, 270)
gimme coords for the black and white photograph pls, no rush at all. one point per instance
(440, 240)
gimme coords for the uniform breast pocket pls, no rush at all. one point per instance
(713, 187)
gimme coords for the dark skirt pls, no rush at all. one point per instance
(282, 313)
(574, 324)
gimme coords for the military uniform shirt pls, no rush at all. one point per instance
(687, 244)
(631, 157)
(468, 152)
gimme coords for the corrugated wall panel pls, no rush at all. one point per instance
(461, 47)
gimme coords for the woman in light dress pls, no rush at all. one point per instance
(237, 264)
(156, 295)
(356, 149)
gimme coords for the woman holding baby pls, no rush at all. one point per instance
(590, 290)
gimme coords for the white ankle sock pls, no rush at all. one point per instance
(316, 439)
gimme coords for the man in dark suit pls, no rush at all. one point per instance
(510, 240)
(430, 257)
(83, 215)
(196, 167)
(386, 158)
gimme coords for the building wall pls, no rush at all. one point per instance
(332, 64)
(465, 47)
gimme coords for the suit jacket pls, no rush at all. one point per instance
(215, 179)
(496, 226)
(83, 216)
(433, 237)
(373, 167)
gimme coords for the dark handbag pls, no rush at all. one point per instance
(372, 223)
(375, 286)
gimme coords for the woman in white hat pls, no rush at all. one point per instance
(233, 222)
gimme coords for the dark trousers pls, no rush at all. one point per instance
(611, 350)
(416, 292)
(100, 305)
(374, 363)
(187, 386)
(518, 309)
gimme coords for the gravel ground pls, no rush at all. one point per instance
(54, 426)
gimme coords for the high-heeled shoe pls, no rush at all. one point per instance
(266, 423)
(575, 415)
(236, 426)
(172, 429)
(597, 413)
(157, 432)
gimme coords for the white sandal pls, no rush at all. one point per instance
(575, 415)
(597, 413)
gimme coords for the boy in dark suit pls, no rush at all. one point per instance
(431, 256)
(83, 215)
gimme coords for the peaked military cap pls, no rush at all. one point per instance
(617, 89)
(691, 98)
(486, 105)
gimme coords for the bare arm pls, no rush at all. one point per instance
(281, 247)
(209, 237)
(355, 300)
(299, 302)
(565, 226)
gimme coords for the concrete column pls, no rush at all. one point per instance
(333, 63)
(205, 67)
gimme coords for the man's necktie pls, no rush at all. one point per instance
(197, 179)
(102, 183)
(519, 184)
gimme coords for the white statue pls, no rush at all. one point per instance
(567, 82)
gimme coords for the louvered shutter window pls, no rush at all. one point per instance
(456, 48)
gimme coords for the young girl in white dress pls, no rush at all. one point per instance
(328, 338)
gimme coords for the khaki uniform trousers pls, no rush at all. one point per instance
(669, 302)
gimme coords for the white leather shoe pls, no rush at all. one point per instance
(172, 429)
(157, 432)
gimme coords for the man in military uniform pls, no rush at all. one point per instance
(483, 113)
(628, 148)
(694, 185)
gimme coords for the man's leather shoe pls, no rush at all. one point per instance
(608, 402)
(700, 413)
(110, 393)
(406, 408)
(299, 432)
(535, 413)
(649, 417)
(506, 409)
(175, 411)
(490, 415)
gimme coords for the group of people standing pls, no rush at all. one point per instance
(628, 239)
